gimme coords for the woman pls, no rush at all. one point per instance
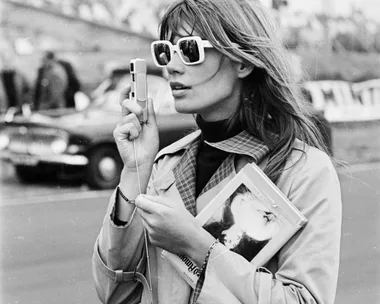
(244, 224)
(250, 218)
(226, 67)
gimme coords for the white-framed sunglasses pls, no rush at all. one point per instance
(189, 49)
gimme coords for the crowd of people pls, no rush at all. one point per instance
(54, 87)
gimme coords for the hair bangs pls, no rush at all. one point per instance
(174, 18)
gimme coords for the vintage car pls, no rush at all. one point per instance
(79, 144)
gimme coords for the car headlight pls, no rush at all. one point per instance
(59, 145)
(4, 141)
(73, 149)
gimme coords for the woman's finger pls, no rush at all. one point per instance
(151, 113)
(157, 199)
(131, 118)
(147, 205)
(130, 106)
(127, 130)
(165, 202)
(143, 215)
(125, 94)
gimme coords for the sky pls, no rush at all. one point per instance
(370, 7)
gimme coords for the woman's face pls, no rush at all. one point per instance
(253, 217)
(212, 88)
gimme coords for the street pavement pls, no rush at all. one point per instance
(48, 232)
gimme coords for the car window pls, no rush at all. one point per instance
(158, 89)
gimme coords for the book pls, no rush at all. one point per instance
(250, 216)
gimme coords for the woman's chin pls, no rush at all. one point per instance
(183, 108)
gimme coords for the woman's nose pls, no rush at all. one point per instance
(175, 65)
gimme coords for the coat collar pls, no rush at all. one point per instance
(182, 144)
(243, 143)
(185, 170)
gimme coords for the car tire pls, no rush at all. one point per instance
(104, 168)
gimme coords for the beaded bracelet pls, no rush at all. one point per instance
(208, 255)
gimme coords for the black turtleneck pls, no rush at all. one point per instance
(210, 158)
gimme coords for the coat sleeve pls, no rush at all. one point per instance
(307, 266)
(118, 250)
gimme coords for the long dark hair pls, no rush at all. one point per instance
(271, 106)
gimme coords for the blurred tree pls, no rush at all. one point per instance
(291, 38)
(350, 42)
(277, 4)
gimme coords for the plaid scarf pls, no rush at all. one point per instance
(185, 171)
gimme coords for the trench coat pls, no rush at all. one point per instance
(305, 270)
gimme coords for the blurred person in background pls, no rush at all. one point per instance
(226, 66)
(51, 84)
(15, 90)
(73, 85)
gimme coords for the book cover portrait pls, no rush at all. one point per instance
(249, 216)
(244, 224)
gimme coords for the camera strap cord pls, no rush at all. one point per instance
(145, 233)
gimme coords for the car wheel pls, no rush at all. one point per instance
(104, 168)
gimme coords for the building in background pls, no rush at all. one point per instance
(89, 32)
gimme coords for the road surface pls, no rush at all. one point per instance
(47, 235)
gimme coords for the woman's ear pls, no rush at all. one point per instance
(243, 69)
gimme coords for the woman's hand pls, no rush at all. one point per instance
(145, 135)
(171, 227)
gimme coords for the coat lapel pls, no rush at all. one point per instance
(185, 175)
(224, 170)
(185, 170)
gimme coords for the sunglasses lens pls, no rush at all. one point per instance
(162, 53)
(189, 51)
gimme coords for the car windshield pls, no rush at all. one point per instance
(109, 92)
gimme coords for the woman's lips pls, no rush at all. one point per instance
(179, 92)
(179, 89)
